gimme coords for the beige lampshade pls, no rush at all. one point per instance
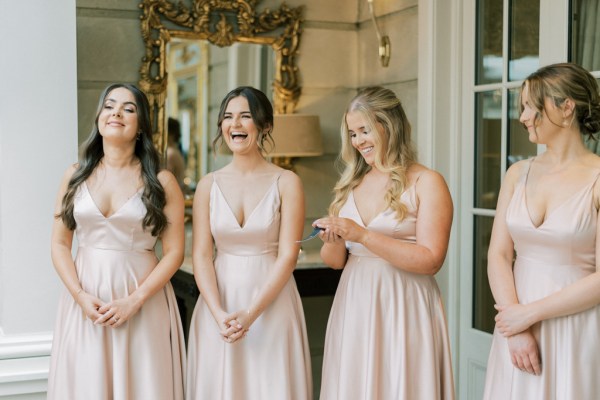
(296, 135)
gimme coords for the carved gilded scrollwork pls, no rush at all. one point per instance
(222, 23)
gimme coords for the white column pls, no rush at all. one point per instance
(38, 140)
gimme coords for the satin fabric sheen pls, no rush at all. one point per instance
(386, 335)
(144, 358)
(273, 361)
(557, 253)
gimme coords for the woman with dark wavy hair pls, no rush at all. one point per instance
(546, 343)
(118, 333)
(248, 336)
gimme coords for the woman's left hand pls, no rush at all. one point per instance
(514, 318)
(117, 312)
(345, 228)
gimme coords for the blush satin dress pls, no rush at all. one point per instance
(386, 336)
(550, 257)
(273, 361)
(144, 358)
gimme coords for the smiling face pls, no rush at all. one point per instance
(118, 118)
(363, 137)
(238, 127)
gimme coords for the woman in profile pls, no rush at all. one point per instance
(118, 334)
(248, 336)
(547, 337)
(389, 227)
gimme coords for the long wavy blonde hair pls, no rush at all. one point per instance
(394, 152)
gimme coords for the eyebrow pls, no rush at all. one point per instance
(358, 129)
(241, 112)
(127, 102)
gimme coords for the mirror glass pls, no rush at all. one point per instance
(199, 76)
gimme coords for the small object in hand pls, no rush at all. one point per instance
(312, 235)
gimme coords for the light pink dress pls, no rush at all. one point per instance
(387, 336)
(550, 257)
(273, 361)
(144, 358)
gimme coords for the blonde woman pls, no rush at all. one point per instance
(547, 339)
(388, 228)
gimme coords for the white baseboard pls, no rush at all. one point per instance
(24, 363)
(24, 376)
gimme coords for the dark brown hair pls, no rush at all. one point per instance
(260, 109)
(566, 80)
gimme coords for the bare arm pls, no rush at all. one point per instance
(291, 225)
(434, 221)
(501, 249)
(203, 250)
(523, 347)
(61, 243)
(333, 251)
(172, 239)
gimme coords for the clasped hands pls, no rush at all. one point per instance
(111, 314)
(234, 326)
(513, 322)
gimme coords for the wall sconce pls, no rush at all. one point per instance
(384, 41)
(295, 135)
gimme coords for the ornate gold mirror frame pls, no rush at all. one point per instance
(222, 23)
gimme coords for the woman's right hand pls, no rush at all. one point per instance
(339, 230)
(89, 304)
(524, 352)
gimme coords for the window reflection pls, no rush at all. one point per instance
(488, 140)
(489, 41)
(524, 38)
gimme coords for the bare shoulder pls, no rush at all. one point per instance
(166, 178)
(205, 182)
(69, 173)
(289, 181)
(517, 169)
(289, 177)
(421, 176)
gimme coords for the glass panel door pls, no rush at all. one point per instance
(500, 140)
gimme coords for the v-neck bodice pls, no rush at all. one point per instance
(260, 231)
(567, 235)
(122, 230)
(385, 222)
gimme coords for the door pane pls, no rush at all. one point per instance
(519, 146)
(524, 48)
(488, 140)
(585, 33)
(489, 41)
(483, 301)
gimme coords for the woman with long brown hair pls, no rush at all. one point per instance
(118, 334)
